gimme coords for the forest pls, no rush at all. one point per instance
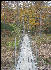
(31, 17)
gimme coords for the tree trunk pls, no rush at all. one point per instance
(40, 23)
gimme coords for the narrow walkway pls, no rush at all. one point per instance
(26, 59)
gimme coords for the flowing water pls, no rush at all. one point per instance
(26, 59)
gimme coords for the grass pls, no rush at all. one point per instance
(6, 26)
(15, 31)
(8, 33)
(12, 44)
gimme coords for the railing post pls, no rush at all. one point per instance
(15, 53)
